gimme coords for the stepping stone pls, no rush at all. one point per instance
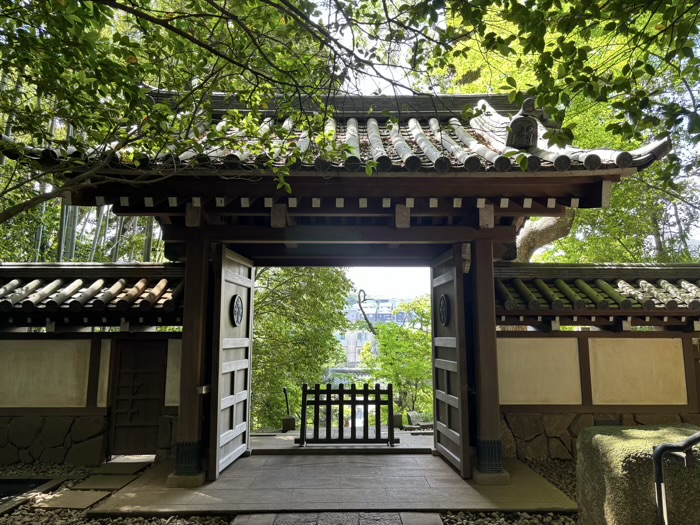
(420, 518)
(72, 499)
(121, 468)
(105, 482)
(254, 519)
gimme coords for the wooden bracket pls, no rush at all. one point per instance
(486, 218)
(193, 216)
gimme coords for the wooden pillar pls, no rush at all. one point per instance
(188, 452)
(489, 454)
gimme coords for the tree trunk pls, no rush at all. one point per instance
(536, 234)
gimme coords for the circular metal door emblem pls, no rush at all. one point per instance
(236, 310)
(444, 310)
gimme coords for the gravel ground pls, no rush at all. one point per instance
(561, 474)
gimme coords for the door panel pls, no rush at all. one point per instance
(138, 395)
(450, 361)
(230, 424)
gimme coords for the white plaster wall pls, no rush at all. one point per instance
(44, 373)
(637, 372)
(538, 371)
(103, 385)
(172, 378)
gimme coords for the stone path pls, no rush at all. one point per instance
(341, 518)
(102, 482)
(325, 483)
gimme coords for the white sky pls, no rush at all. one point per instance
(403, 283)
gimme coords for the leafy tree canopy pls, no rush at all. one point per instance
(402, 357)
(297, 312)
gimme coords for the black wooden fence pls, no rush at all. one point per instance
(326, 398)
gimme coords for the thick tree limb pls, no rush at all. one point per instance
(536, 234)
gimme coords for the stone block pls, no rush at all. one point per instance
(693, 419)
(36, 449)
(535, 448)
(580, 422)
(4, 436)
(556, 424)
(54, 455)
(8, 455)
(25, 456)
(557, 449)
(507, 441)
(90, 453)
(615, 481)
(87, 427)
(55, 431)
(607, 419)
(628, 420)
(24, 430)
(525, 426)
(658, 419)
(565, 438)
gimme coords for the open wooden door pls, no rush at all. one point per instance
(231, 360)
(450, 361)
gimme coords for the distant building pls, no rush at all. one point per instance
(378, 311)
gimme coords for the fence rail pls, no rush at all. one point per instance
(323, 399)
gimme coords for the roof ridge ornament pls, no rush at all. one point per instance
(522, 131)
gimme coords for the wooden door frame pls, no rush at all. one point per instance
(114, 361)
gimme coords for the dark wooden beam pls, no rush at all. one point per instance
(338, 234)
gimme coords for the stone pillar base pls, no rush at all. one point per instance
(490, 478)
(179, 481)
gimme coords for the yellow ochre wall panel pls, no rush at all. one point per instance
(637, 371)
(44, 373)
(538, 371)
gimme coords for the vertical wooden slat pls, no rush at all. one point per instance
(378, 410)
(353, 412)
(329, 411)
(302, 436)
(341, 408)
(365, 405)
(390, 428)
(317, 408)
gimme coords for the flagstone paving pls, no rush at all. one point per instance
(310, 483)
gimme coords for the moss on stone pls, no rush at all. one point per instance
(615, 476)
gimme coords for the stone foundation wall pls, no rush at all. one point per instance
(79, 440)
(541, 436)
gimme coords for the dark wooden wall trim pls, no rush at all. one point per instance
(53, 411)
(584, 360)
(44, 336)
(94, 373)
(597, 409)
(597, 333)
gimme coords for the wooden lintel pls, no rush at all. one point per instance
(339, 234)
(402, 216)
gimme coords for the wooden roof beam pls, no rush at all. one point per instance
(340, 234)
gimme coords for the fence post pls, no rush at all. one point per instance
(391, 415)
(329, 411)
(302, 436)
(341, 409)
(317, 410)
(365, 418)
(378, 410)
(353, 411)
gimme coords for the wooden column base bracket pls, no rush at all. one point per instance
(489, 456)
(188, 459)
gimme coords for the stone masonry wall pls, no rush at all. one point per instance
(77, 440)
(541, 436)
